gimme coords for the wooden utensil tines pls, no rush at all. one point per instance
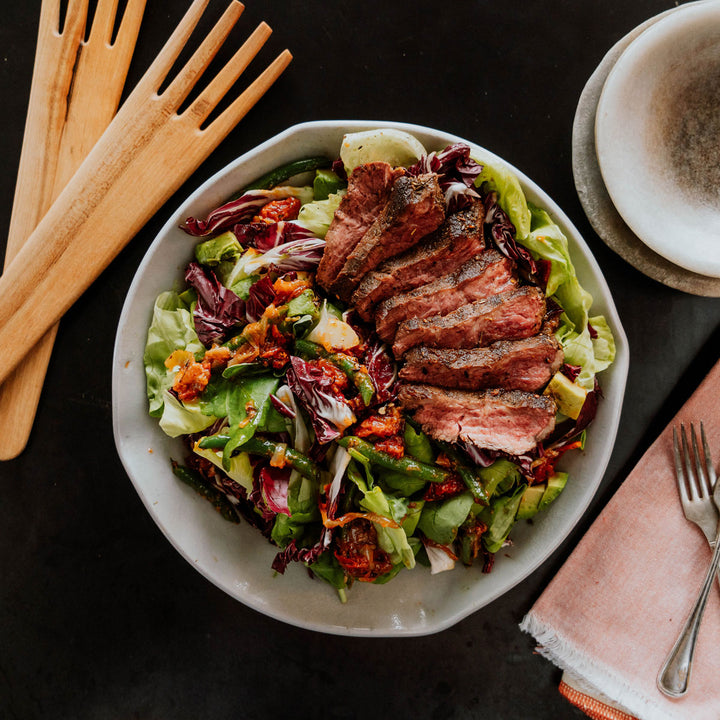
(75, 91)
(142, 158)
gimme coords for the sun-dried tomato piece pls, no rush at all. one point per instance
(277, 210)
(217, 356)
(358, 552)
(446, 489)
(286, 289)
(191, 380)
(381, 426)
(339, 379)
(393, 446)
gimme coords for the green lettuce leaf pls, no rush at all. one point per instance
(240, 469)
(603, 344)
(182, 418)
(510, 195)
(253, 392)
(440, 520)
(171, 329)
(316, 216)
(393, 540)
(547, 242)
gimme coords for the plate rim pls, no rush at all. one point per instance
(623, 71)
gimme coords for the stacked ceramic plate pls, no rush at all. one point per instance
(646, 148)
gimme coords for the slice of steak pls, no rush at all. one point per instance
(512, 315)
(416, 208)
(510, 421)
(526, 364)
(487, 274)
(457, 240)
(367, 194)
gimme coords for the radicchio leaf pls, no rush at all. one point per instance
(502, 233)
(293, 553)
(260, 295)
(382, 370)
(570, 371)
(218, 310)
(456, 172)
(302, 254)
(329, 412)
(284, 409)
(266, 236)
(241, 210)
(274, 487)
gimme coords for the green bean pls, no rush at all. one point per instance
(196, 482)
(358, 375)
(309, 349)
(260, 446)
(471, 479)
(214, 442)
(284, 172)
(407, 465)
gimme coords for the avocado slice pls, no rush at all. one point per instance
(530, 501)
(555, 484)
(569, 396)
(326, 183)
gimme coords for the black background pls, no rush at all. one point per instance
(99, 616)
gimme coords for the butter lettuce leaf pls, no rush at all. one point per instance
(180, 418)
(546, 241)
(510, 195)
(172, 328)
(316, 216)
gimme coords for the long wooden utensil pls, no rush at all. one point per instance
(75, 92)
(143, 157)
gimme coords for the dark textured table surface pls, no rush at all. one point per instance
(99, 616)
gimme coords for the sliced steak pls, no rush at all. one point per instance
(511, 421)
(487, 274)
(457, 240)
(512, 315)
(416, 208)
(367, 194)
(526, 364)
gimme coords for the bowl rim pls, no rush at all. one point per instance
(619, 374)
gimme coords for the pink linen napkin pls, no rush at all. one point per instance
(614, 610)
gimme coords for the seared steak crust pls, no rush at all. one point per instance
(512, 315)
(367, 194)
(526, 364)
(416, 207)
(509, 421)
(487, 274)
(457, 240)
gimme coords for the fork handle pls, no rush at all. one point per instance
(675, 673)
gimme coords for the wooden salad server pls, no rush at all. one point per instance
(143, 157)
(75, 92)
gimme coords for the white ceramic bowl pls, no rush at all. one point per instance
(236, 558)
(657, 133)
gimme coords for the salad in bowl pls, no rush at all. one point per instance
(380, 362)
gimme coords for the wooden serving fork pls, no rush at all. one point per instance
(143, 157)
(76, 89)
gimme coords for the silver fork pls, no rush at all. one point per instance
(700, 503)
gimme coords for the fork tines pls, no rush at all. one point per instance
(694, 482)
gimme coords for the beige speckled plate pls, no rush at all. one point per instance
(593, 194)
